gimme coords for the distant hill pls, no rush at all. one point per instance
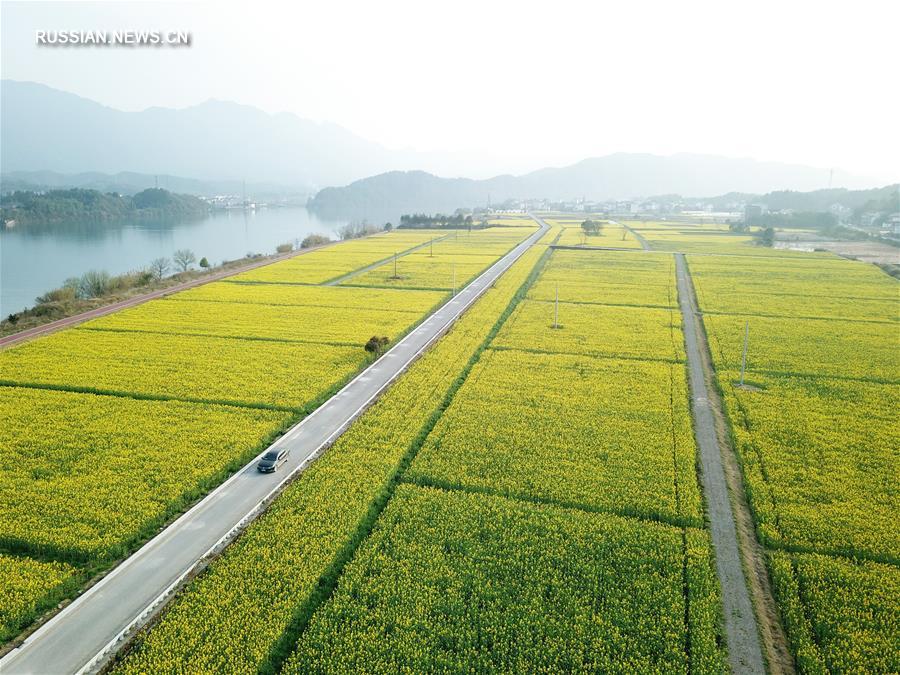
(885, 198)
(129, 183)
(48, 129)
(618, 176)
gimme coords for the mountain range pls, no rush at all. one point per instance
(220, 144)
(47, 129)
(618, 176)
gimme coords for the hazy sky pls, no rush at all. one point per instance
(518, 84)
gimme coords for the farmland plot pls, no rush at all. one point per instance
(462, 582)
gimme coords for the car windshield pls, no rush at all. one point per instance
(271, 454)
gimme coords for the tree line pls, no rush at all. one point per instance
(79, 204)
(436, 221)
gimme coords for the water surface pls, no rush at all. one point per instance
(37, 258)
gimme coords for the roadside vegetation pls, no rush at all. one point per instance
(97, 288)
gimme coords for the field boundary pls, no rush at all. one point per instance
(645, 245)
(572, 247)
(375, 265)
(678, 522)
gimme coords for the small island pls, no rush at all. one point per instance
(81, 205)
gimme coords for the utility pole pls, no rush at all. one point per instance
(556, 309)
(744, 355)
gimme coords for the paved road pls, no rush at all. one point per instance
(369, 268)
(53, 326)
(95, 623)
(744, 652)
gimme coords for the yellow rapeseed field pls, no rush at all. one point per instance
(329, 263)
(26, 587)
(474, 583)
(195, 368)
(86, 496)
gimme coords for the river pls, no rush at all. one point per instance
(37, 258)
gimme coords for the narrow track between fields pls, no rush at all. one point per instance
(101, 620)
(741, 634)
(643, 242)
(380, 263)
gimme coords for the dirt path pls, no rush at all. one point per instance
(774, 640)
(375, 265)
(566, 247)
(742, 637)
(644, 243)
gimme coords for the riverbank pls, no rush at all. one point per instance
(48, 317)
(39, 258)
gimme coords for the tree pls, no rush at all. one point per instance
(286, 247)
(354, 230)
(184, 258)
(160, 267)
(93, 284)
(388, 227)
(766, 237)
(376, 345)
(590, 227)
(204, 263)
(314, 240)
